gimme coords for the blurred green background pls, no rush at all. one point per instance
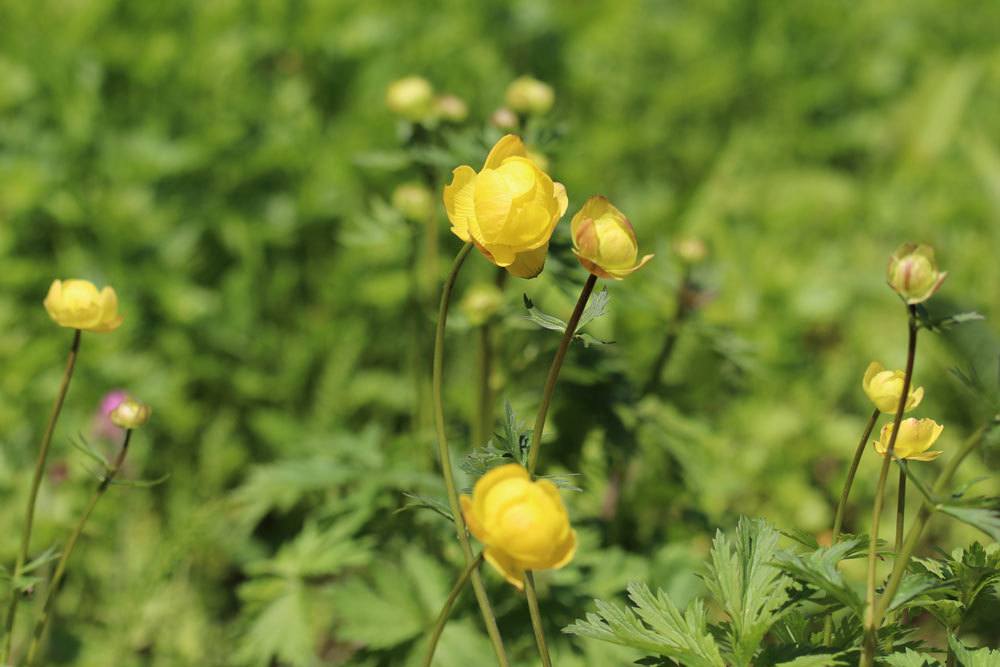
(228, 167)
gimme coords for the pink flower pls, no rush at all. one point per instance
(102, 426)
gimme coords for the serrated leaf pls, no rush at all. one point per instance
(984, 657)
(816, 660)
(596, 307)
(425, 502)
(553, 323)
(986, 519)
(910, 658)
(819, 570)
(913, 586)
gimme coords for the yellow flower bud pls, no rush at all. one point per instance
(913, 273)
(451, 108)
(504, 119)
(883, 388)
(914, 439)
(414, 201)
(604, 240)
(508, 209)
(481, 302)
(691, 250)
(523, 524)
(411, 97)
(130, 414)
(78, 304)
(527, 94)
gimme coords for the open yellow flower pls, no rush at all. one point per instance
(523, 524)
(508, 209)
(913, 273)
(916, 436)
(604, 240)
(78, 304)
(883, 388)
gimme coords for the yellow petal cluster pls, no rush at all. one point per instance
(508, 209)
(913, 273)
(411, 97)
(884, 387)
(604, 240)
(523, 524)
(916, 436)
(78, 304)
(130, 414)
(527, 94)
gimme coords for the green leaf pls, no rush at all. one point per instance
(553, 323)
(744, 580)
(986, 518)
(281, 631)
(81, 444)
(984, 657)
(140, 483)
(596, 307)
(940, 324)
(819, 570)
(654, 625)
(815, 660)
(910, 659)
(912, 587)
(418, 501)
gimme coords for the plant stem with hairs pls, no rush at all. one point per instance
(442, 618)
(870, 625)
(36, 480)
(489, 618)
(60, 572)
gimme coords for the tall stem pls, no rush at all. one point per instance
(557, 362)
(900, 510)
(445, 612)
(50, 594)
(920, 522)
(36, 480)
(871, 629)
(536, 619)
(449, 479)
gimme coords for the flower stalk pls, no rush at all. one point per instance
(36, 480)
(536, 619)
(870, 624)
(489, 618)
(53, 589)
(449, 603)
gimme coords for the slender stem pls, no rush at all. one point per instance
(871, 628)
(50, 594)
(536, 619)
(900, 510)
(557, 361)
(36, 480)
(681, 314)
(445, 612)
(449, 479)
(845, 494)
(838, 521)
(920, 521)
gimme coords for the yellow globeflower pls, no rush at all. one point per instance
(913, 273)
(130, 414)
(411, 97)
(527, 94)
(883, 388)
(508, 209)
(523, 524)
(915, 437)
(604, 240)
(78, 304)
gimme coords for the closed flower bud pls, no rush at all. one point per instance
(508, 209)
(481, 302)
(915, 438)
(691, 250)
(504, 119)
(77, 304)
(411, 97)
(884, 387)
(523, 524)
(604, 240)
(451, 108)
(913, 273)
(414, 201)
(527, 94)
(130, 414)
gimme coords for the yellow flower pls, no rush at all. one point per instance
(523, 524)
(78, 305)
(914, 439)
(913, 273)
(411, 97)
(509, 209)
(414, 200)
(130, 414)
(883, 388)
(527, 94)
(604, 241)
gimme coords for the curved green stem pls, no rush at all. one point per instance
(871, 628)
(442, 618)
(50, 594)
(557, 362)
(36, 481)
(489, 618)
(536, 619)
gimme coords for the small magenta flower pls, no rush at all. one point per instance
(103, 426)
